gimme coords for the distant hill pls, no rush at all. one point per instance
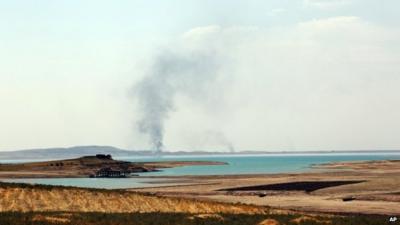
(79, 151)
(67, 153)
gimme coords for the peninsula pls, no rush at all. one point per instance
(88, 166)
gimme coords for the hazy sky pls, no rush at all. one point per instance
(290, 75)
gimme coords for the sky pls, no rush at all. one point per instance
(275, 75)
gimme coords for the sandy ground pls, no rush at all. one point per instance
(378, 193)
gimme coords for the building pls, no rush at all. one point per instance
(109, 172)
(103, 156)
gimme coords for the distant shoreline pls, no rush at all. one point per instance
(363, 187)
(79, 151)
(87, 166)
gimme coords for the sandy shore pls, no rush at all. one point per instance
(369, 187)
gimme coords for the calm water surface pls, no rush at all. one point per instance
(257, 164)
(236, 164)
(107, 183)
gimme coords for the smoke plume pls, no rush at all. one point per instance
(185, 73)
(215, 137)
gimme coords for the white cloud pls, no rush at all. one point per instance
(201, 32)
(277, 11)
(330, 83)
(323, 84)
(331, 23)
(327, 4)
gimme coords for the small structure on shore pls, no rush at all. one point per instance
(103, 156)
(112, 173)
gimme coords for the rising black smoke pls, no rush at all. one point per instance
(172, 73)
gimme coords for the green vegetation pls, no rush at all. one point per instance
(55, 218)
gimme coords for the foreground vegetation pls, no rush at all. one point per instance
(57, 187)
(57, 205)
(53, 218)
(46, 198)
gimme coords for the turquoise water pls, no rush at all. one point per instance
(107, 183)
(236, 164)
(256, 164)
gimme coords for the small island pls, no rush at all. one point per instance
(100, 165)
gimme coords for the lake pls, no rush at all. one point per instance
(257, 164)
(236, 164)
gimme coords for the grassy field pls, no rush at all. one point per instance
(46, 198)
(24, 204)
(52, 218)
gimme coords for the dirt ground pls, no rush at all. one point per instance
(371, 187)
(377, 190)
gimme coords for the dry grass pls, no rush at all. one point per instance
(25, 199)
(51, 219)
(96, 218)
(269, 222)
(303, 219)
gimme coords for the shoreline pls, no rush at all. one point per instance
(88, 166)
(367, 187)
(362, 187)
